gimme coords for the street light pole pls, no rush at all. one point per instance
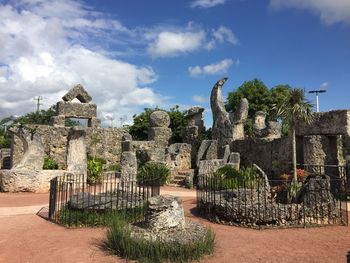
(317, 92)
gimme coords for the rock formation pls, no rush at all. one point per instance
(227, 127)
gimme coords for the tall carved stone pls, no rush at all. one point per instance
(227, 127)
(34, 154)
(76, 155)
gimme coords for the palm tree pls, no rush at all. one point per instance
(295, 107)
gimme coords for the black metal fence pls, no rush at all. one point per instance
(75, 202)
(251, 202)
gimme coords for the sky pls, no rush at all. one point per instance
(134, 54)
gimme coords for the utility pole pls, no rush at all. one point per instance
(38, 99)
(317, 92)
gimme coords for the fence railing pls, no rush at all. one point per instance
(75, 202)
(282, 203)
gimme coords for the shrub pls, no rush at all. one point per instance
(94, 170)
(115, 167)
(50, 164)
(228, 177)
(153, 170)
(123, 243)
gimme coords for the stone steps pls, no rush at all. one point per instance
(181, 178)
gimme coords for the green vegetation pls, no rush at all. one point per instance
(139, 129)
(94, 170)
(115, 167)
(153, 170)
(228, 177)
(294, 108)
(83, 218)
(120, 241)
(260, 98)
(50, 164)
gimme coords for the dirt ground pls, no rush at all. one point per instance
(26, 237)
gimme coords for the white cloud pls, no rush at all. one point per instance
(330, 11)
(206, 3)
(168, 44)
(221, 35)
(45, 50)
(324, 85)
(174, 42)
(219, 67)
(199, 99)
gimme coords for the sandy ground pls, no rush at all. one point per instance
(26, 237)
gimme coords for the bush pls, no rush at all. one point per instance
(94, 170)
(153, 170)
(123, 243)
(228, 177)
(115, 167)
(50, 164)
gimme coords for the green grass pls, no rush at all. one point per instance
(83, 218)
(120, 241)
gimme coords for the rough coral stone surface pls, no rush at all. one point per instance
(78, 92)
(160, 119)
(164, 213)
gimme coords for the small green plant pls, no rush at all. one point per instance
(227, 172)
(153, 170)
(293, 191)
(123, 243)
(50, 164)
(94, 170)
(115, 167)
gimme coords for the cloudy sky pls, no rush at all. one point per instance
(135, 54)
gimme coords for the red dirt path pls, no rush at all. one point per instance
(29, 238)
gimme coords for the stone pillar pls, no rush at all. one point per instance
(94, 123)
(58, 121)
(159, 131)
(129, 167)
(76, 155)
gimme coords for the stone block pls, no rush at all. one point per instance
(58, 121)
(159, 119)
(209, 166)
(94, 122)
(160, 135)
(76, 110)
(78, 92)
(129, 166)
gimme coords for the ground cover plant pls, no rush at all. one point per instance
(50, 164)
(153, 170)
(122, 242)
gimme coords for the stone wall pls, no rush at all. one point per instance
(326, 123)
(273, 157)
(108, 144)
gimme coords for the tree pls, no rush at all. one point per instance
(294, 108)
(260, 98)
(43, 117)
(140, 127)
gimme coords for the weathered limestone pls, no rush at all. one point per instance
(164, 213)
(179, 156)
(227, 127)
(33, 156)
(195, 127)
(272, 131)
(129, 167)
(76, 110)
(76, 156)
(207, 151)
(5, 158)
(159, 119)
(194, 117)
(159, 131)
(235, 160)
(209, 166)
(37, 181)
(78, 92)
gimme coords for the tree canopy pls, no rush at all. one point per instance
(260, 98)
(139, 129)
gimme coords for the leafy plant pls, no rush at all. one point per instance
(115, 167)
(95, 169)
(50, 164)
(293, 190)
(153, 170)
(123, 243)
